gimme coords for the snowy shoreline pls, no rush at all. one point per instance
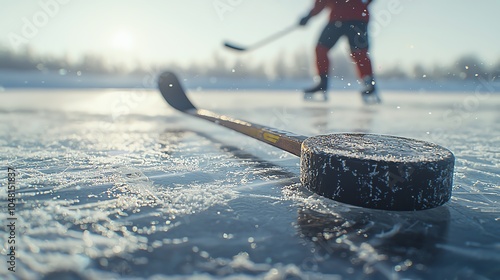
(37, 79)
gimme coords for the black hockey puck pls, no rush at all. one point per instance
(377, 171)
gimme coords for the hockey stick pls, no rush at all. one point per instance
(263, 41)
(367, 170)
(174, 94)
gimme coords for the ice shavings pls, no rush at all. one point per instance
(89, 198)
(83, 199)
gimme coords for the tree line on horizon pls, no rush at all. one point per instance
(300, 66)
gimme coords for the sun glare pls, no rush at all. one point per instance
(122, 40)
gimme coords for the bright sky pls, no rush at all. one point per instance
(404, 32)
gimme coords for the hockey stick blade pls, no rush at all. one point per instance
(173, 93)
(234, 47)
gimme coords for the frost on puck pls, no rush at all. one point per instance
(377, 171)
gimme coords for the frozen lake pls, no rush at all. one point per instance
(116, 184)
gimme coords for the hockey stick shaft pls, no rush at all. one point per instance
(281, 139)
(264, 41)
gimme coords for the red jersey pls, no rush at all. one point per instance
(343, 10)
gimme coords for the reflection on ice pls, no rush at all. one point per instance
(376, 242)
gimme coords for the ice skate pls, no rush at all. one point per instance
(370, 94)
(322, 87)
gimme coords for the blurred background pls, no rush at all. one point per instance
(74, 43)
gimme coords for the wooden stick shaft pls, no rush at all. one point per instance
(278, 138)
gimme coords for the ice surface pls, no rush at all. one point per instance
(116, 184)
